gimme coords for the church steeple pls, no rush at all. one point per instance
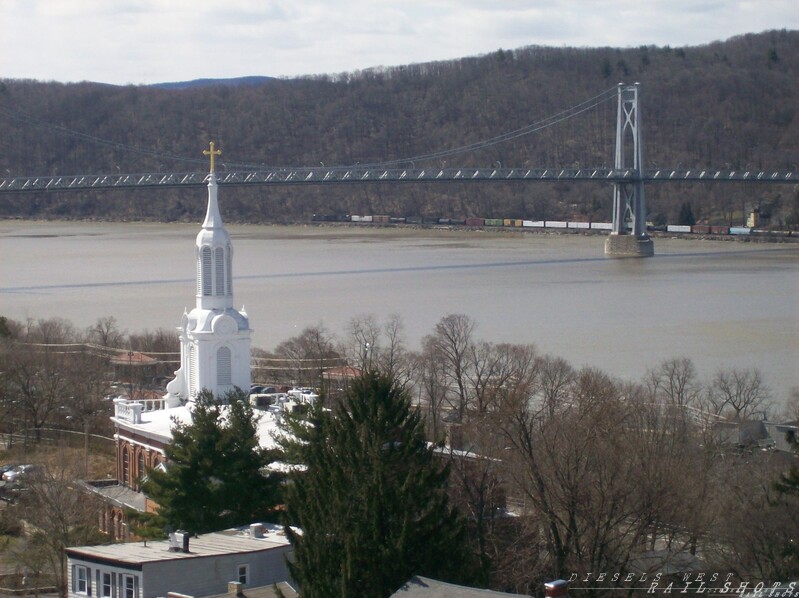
(215, 337)
(212, 217)
(214, 252)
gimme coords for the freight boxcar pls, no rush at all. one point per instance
(582, 225)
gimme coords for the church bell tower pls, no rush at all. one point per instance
(214, 336)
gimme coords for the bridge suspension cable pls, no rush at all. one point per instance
(605, 96)
(600, 98)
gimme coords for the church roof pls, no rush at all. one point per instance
(157, 424)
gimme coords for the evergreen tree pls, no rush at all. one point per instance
(686, 216)
(213, 477)
(371, 499)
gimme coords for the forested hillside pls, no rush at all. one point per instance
(731, 104)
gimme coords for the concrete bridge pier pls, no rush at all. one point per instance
(629, 246)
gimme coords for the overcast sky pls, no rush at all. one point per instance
(151, 41)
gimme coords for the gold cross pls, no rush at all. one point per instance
(212, 152)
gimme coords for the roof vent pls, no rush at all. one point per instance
(257, 530)
(179, 541)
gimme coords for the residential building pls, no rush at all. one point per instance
(198, 566)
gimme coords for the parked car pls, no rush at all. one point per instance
(20, 472)
(7, 467)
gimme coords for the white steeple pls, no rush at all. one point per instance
(214, 337)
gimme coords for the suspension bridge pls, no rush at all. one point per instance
(628, 176)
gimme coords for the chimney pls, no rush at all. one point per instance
(235, 588)
(557, 588)
(257, 530)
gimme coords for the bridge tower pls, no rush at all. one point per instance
(629, 207)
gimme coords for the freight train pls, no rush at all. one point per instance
(696, 229)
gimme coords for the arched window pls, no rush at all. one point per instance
(140, 472)
(219, 265)
(223, 374)
(206, 265)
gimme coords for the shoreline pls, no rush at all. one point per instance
(781, 236)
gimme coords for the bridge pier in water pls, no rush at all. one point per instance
(628, 236)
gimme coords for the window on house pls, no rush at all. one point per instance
(243, 573)
(130, 586)
(82, 580)
(106, 586)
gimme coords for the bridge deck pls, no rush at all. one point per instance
(358, 174)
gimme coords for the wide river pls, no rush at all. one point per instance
(724, 304)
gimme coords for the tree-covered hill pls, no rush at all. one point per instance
(732, 104)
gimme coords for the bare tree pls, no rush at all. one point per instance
(739, 393)
(601, 475)
(675, 382)
(105, 332)
(450, 344)
(85, 404)
(431, 386)
(35, 364)
(364, 335)
(759, 522)
(308, 354)
(556, 377)
(58, 515)
(394, 356)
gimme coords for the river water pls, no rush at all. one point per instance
(723, 304)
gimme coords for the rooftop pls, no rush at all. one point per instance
(232, 541)
(158, 423)
(113, 492)
(423, 587)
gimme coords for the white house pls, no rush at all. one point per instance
(199, 566)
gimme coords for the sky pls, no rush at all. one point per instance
(154, 41)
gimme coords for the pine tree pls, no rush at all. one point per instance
(686, 216)
(371, 500)
(213, 477)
